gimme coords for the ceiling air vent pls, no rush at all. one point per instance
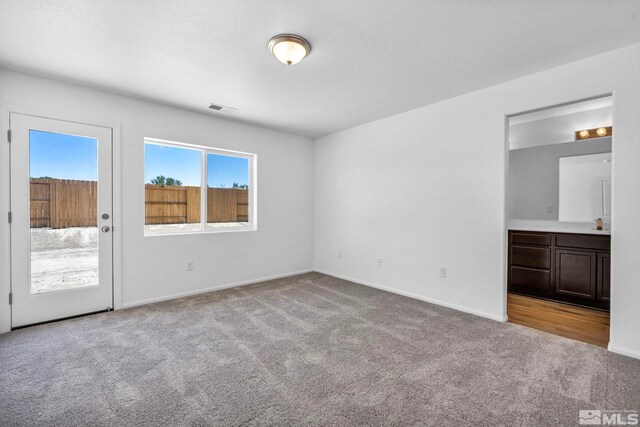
(222, 108)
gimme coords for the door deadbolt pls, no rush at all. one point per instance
(105, 216)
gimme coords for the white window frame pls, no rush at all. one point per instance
(252, 211)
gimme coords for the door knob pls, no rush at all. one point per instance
(105, 229)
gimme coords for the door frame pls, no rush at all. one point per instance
(5, 201)
(505, 184)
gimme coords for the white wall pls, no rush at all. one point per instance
(426, 189)
(154, 267)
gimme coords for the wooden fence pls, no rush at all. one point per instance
(61, 203)
(180, 205)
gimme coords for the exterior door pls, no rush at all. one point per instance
(61, 207)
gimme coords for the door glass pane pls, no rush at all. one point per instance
(63, 204)
(227, 191)
(173, 181)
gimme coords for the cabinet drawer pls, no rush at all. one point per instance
(531, 257)
(530, 278)
(539, 239)
(583, 242)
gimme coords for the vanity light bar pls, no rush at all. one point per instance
(594, 133)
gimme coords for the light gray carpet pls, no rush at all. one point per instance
(305, 350)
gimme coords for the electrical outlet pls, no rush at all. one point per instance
(443, 271)
(379, 262)
(189, 265)
(339, 254)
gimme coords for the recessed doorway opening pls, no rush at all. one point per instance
(559, 219)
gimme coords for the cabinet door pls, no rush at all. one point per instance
(604, 276)
(576, 273)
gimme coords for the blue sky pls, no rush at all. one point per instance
(184, 164)
(75, 157)
(63, 156)
(223, 171)
(178, 163)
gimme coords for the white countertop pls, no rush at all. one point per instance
(557, 226)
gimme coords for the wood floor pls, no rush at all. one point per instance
(581, 324)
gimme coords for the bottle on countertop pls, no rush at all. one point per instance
(599, 224)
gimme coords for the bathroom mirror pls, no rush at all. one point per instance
(554, 175)
(537, 191)
(585, 188)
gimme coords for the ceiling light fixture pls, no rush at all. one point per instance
(584, 134)
(289, 49)
(594, 133)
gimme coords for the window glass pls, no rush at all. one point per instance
(227, 191)
(64, 211)
(173, 184)
(174, 200)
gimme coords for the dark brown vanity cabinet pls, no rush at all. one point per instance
(572, 268)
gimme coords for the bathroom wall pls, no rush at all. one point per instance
(558, 129)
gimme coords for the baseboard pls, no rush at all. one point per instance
(418, 297)
(212, 289)
(624, 351)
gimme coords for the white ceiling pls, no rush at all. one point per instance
(370, 58)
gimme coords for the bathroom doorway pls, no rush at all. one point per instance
(559, 219)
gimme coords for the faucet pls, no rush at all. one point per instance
(599, 224)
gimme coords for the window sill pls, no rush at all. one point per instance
(191, 229)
